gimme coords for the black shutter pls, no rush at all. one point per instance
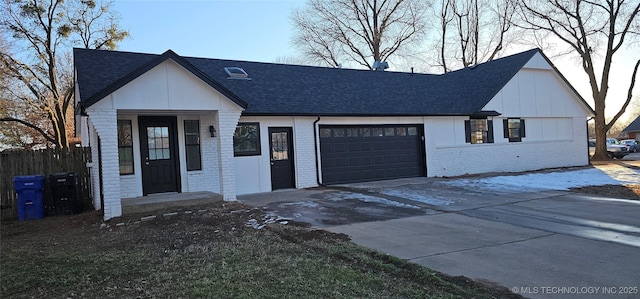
(489, 131)
(505, 127)
(467, 131)
(522, 130)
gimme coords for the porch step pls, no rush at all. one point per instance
(154, 202)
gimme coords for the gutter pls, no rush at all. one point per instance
(316, 149)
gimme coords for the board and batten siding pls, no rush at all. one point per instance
(556, 134)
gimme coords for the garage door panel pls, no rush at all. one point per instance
(353, 147)
(365, 153)
(355, 161)
(340, 147)
(340, 162)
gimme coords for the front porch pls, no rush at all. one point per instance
(154, 202)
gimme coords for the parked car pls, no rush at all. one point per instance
(614, 148)
(632, 145)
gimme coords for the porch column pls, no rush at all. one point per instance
(227, 122)
(105, 122)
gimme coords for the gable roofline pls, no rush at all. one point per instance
(634, 126)
(169, 54)
(575, 92)
(478, 112)
(534, 50)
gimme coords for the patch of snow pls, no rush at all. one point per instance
(267, 219)
(306, 204)
(553, 180)
(417, 195)
(339, 196)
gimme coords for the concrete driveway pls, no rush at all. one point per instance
(541, 244)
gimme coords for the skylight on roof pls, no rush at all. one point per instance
(236, 73)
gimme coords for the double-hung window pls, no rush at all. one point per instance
(478, 130)
(192, 144)
(125, 147)
(513, 129)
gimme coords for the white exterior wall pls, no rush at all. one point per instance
(227, 123)
(555, 129)
(253, 173)
(561, 144)
(166, 90)
(104, 121)
(207, 179)
(94, 168)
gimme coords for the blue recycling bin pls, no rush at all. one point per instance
(30, 196)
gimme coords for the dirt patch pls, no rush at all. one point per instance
(615, 191)
(225, 250)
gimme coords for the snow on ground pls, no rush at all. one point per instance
(554, 180)
(306, 204)
(338, 196)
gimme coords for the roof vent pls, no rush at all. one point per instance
(380, 65)
(236, 73)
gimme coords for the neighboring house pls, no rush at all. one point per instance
(167, 123)
(633, 129)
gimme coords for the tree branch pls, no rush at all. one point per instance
(32, 126)
(629, 97)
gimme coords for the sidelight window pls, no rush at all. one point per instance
(125, 147)
(192, 144)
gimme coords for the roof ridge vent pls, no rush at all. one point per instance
(235, 72)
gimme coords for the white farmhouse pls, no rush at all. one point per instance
(167, 123)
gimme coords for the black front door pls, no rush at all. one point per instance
(159, 154)
(281, 151)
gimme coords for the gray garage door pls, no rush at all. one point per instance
(366, 153)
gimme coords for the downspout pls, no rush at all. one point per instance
(316, 149)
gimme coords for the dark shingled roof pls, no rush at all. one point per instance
(277, 89)
(634, 126)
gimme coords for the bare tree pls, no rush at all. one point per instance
(472, 31)
(42, 33)
(592, 29)
(359, 31)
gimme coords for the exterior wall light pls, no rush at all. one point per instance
(212, 130)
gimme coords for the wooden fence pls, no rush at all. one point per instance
(41, 162)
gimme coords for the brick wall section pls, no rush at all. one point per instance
(207, 179)
(95, 166)
(506, 157)
(304, 152)
(105, 124)
(227, 122)
(129, 185)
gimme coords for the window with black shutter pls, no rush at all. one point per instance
(513, 129)
(478, 131)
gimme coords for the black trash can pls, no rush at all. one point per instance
(63, 194)
(30, 200)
